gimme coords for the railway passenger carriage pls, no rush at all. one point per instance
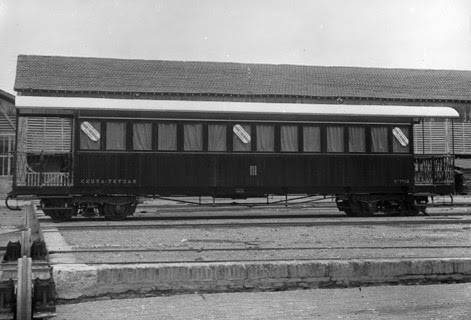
(93, 154)
(104, 153)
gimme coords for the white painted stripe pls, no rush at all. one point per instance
(234, 107)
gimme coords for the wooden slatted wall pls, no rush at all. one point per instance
(432, 137)
(48, 134)
(442, 137)
(462, 138)
(5, 125)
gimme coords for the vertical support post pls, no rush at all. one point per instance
(423, 136)
(453, 140)
(24, 298)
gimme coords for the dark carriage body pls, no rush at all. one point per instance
(230, 175)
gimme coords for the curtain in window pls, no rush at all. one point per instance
(193, 137)
(86, 143)
(335, 139)
(311, 139)
(167, 136)
(217, 137)
(142, 136)
(238, 145)
(289, 138)
(397, 146)
(265, 138)
(379, 139)
(115, 136)
(356, 139)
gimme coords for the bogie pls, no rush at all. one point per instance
(112, 208)
(58, 209)
(368, 205)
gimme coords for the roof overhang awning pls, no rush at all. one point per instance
(235, 107)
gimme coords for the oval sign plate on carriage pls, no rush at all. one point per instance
(401, 137)
(241, 133)
(90, 131)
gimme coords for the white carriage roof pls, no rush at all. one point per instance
(234, 107)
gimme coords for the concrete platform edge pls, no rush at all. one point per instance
(79, 281)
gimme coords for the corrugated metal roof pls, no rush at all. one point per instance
(78, 74)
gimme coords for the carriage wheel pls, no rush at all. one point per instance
(346, 206)
(350, 213)
(115, 212)
(130, 209)
(368, 209)
(361, 209)
(392, 208)
(409, 208)
(59, 214)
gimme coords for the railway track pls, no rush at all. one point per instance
(249, 260)
(187, 242)
(102, 250)
(236, 223)
(98, 256)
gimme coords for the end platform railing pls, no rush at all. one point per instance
(436, 169)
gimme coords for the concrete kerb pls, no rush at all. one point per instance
(79, 281)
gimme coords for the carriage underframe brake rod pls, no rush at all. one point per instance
(286, 200)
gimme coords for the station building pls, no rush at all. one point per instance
(80, 77)
(7, 140)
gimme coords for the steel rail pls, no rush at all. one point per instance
(168, 216)
(256, 261)
(255, 248)
(352, 222)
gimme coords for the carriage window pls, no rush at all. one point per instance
(401, 140)
(167, 136)
(379, 139)
(289, 138)
(142, 136)
(115, 136)
(265, 138)
(217, 137)
(335, 139)
(356, 139)
(90, 134)
(193, 137)
(241, 137)
(311, 139)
